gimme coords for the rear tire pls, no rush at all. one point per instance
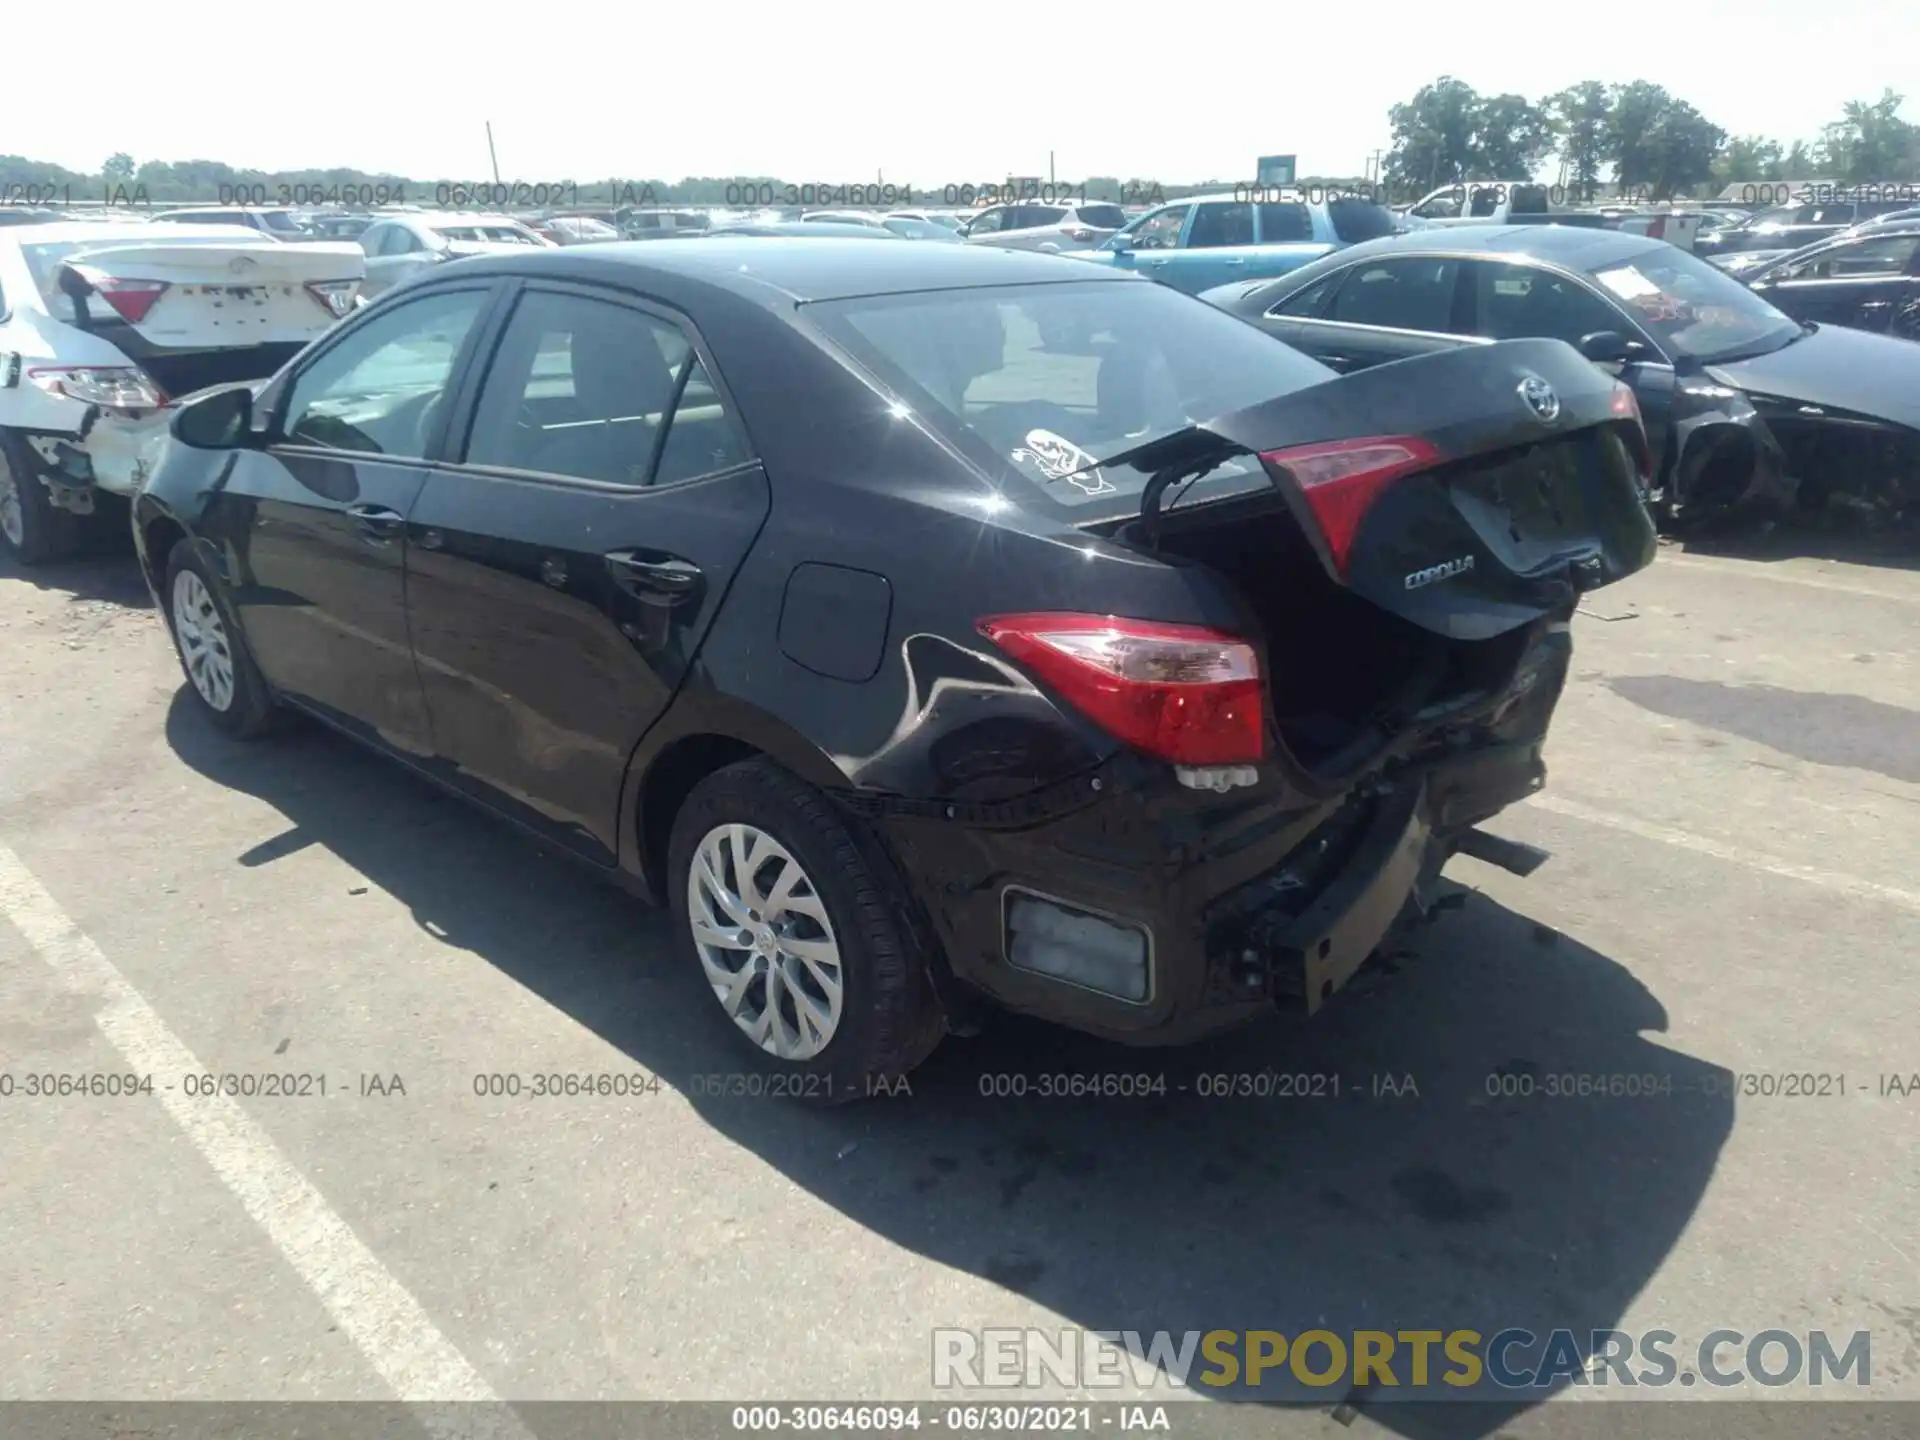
(226, 685)
(820, 976)
(32, 529)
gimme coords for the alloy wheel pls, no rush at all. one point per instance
(202, 636)
(765, 942)
(13, 516)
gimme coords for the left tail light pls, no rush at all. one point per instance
(1080, 233)
(1185, 693)
(1341, 480)
(132, 299)
(335, 295)
(119, 387)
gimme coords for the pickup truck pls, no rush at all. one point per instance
(1524, 202)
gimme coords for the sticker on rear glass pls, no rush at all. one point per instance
(1060, 459)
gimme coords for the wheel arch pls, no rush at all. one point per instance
(699, 735)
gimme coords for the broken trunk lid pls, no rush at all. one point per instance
(199, 294)
(1469, 491)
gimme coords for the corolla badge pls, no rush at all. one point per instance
(1540, 398)
(239, 265)
(1058, 458)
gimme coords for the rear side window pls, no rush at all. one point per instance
(1410, 294)
(1357, 220)
(1282, 221)
(590, 389)
(1047, 381)
(1103, 217)
(1216, 224)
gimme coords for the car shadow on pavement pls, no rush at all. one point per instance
(106, 573)
(1848, 544)
(1442, 1188)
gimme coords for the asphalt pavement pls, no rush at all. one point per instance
(1734, 816)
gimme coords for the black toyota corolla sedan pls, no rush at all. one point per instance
(927, 625)
(1745, 406)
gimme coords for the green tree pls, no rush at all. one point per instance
(1870, 142)
(118, 167)
(1747, 158)
(1433, 136)
(1580, 114)
(1511, 136)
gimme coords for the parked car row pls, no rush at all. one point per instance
(1744, 403)
(652, 502)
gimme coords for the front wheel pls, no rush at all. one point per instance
(795, 925)
(219, 668)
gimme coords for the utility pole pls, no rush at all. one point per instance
(1049, 169)
(491, 155)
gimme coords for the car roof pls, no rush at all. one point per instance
(1573, 246)
(826, 267)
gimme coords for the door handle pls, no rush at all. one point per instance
(665, 580)
(1238, 261)
(377, 523)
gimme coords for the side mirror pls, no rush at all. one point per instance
(1606, 347)
(215, 422)
(1120, 242)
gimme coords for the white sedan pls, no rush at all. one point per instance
(103, 326)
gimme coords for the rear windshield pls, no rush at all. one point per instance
(1047, 381)
(1103, 217)
(281, 222)
(1357, 220)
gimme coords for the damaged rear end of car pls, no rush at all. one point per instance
(1377, 575)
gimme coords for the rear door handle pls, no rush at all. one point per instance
(377, 523)
(665, 580)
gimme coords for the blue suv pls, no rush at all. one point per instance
(1208, 240)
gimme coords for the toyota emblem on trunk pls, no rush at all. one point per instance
(239, 265)
(1540, 398)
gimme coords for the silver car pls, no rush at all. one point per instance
(401, 247)
(1056, 229)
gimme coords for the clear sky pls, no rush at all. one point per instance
(965, 89)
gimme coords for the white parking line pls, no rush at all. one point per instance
(1748, 570)
(371, 1307)
(1720, 850)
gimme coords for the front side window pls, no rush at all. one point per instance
(1217, 224)
(989, 222)
(378, 390)
(1444, 205)
(1310, 303)
(1160, 230)
(1409, 294)
(585, 388)
(1047, 383)
(1695, 309)
(1517, 302)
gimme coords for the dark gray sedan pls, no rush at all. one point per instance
(1743, 403)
